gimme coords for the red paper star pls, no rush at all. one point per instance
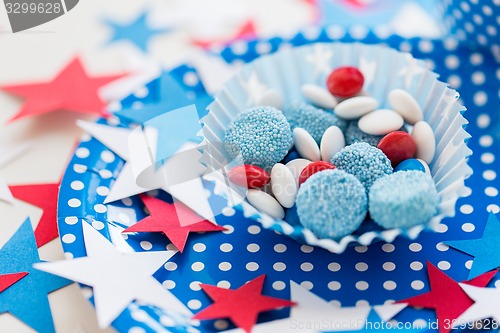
(446, 296)
(45, 197)
(7, 280)
(242, 305)
(247, 31)
(164, 217)
(72, 90)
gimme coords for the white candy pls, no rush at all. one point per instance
(296, 166)
(318, 96)
(331, 143)
(265, 203)
(284, 185)
(406, 105)
(381, 122)
(425, 140)
(272, 98)
(305, 144)
(355, 107)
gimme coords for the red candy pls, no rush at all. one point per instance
(398, 146)
(249, 176)
(313, 168)
(345, 81)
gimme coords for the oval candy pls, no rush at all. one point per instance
(345, 81)
(425, 140)
(305, 144)
(272, 98)
(380, 122)
(406, 105)
(413, 164)
(331, 143)
(296, 166)
(318, 96)
(284, 185)
(398, 146)
(249, 176)
(356, 107)
(313, 168)
(265, 203)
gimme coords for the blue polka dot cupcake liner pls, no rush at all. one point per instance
(473, 21)
(384, 69)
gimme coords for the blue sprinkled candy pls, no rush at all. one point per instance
(403, 199)
(364, 161)
(314, 121)
(261, 135)
(354, 135)
(332, 204)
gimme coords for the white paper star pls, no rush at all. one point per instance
(117, 278)
(5, 194)
(313, 314)
(213, 71)
(320, 58)
(7, 155)
(368, 68)
(487, 304)
(412, 69)
(254, 89)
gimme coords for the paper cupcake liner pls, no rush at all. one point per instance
(384, 69)
(474, 22)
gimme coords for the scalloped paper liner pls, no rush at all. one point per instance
(384, 69)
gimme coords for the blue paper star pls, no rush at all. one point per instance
(137, 32)
(375, 324)
(171, 96)
(485, 250)
(27, 299)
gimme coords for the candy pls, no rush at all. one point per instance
(261, 135)
(413, 164)
(425, 140)
(364, 161)
(272, 98)
(318, 96)
(353, 135)
(332, 204)
(380, 122)
(313, 120)
(265, 203)
(296, 166)
(292, 155)
(284, 185)
(403, 199)
(398, 146)
(406, 105)
(249, 176)
(345, 81)
(355, 107)
(331, 143)
(305, 144)
(313, 168)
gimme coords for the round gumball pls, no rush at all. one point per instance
(249, 176)
(345, 81)
(313, 168)
(414, 164)
(398, 146)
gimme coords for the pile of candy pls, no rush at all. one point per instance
(339, 160)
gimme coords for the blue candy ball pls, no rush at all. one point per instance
(314, 121)
(412, 164)
(261, 135)
(403, 199)
(364, 161)
(332, 204)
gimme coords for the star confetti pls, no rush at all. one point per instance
(487, 304)
(138, 32)
(446, 296)
(43, 196)
(165, 218)
(485, 249)
(71, 90)
(24, 288)
(117, 278)
(320, 59)
(242, 305)
(5, 194)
